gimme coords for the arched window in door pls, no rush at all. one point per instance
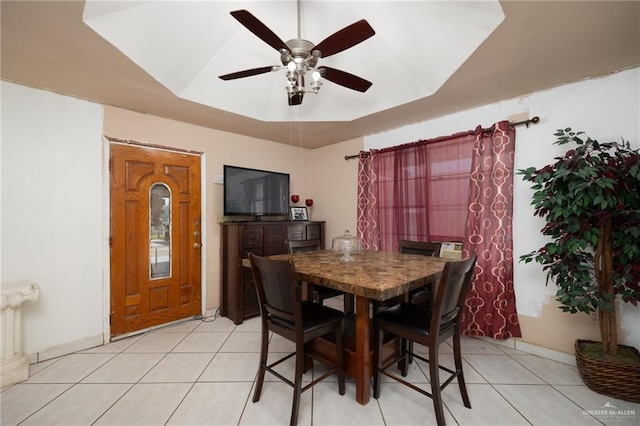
(159, 231)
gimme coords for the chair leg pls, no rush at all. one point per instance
(434, 378)
(264, 349)
(377, 361)
(403, 364)
(410, 354)
(457, 357)
(340, 359)
(297, 383)
(348, 302)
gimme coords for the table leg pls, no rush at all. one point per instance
(363, 357)
(307, 291)
(307, 295)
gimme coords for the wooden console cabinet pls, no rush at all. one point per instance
(238, 239)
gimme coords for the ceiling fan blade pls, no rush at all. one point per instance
(296, 99)
(256, 26)
(345, 38)
(246, 73)
(345, 79)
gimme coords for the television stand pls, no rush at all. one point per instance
(263, 238)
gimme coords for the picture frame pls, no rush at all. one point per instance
(299, 213)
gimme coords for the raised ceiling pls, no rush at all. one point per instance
(538, 45)
(418, 45)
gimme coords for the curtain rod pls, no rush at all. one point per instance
(533, 120)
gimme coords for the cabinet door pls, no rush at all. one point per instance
(274, 236)
(250, 306)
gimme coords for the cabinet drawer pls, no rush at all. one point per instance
(313, 232)
(252, 237)
(295, 232)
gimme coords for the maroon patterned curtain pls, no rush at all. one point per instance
(415, 191)
(368, 212)
(490, 307)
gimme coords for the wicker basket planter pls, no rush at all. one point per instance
(618, 380)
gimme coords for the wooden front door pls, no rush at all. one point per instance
(155, 237)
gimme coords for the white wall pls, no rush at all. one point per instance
(607, 108)
(52, 213)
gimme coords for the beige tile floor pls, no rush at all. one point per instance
(201, 372)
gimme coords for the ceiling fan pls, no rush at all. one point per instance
(301, 56)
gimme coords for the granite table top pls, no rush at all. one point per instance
(373, 274)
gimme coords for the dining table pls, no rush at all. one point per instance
(370, 276)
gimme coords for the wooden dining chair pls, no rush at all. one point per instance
(425, 248)
(428, 326)
(283, 312)
(320, 294)
(420, 295)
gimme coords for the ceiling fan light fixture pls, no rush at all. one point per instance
(299, 56)
(315, 86)
(296, 70)
(317, 82)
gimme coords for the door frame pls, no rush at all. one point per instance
(106, 230)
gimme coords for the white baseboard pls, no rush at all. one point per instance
(212, 312)
(66, 348)
(530, 348)
(97, 340)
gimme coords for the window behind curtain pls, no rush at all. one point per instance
(424, 190)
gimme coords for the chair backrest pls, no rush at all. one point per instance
(277, 288)
(301, 246)
(420, 247)
(450, 294)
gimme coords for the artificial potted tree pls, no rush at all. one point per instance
(590, 200)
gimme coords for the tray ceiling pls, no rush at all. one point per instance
(536, 46)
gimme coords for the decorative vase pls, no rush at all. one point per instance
(616, 379)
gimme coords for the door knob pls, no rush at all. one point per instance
(197, 245)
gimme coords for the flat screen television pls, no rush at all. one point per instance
(252, 192)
